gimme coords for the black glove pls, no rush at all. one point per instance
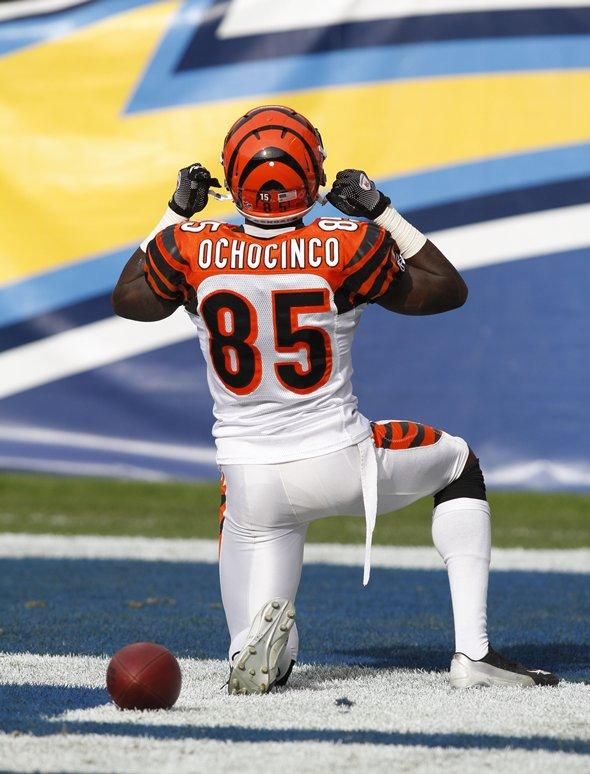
(192, 190)
(354, 194)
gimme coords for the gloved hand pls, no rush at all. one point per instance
(354, 194)
(192, 190)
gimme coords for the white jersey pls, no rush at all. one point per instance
(276, 317)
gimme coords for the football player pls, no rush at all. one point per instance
(276, 303)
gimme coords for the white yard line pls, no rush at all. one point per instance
(515, 238)
(49, 464)
(542, 560)
(395, 709)
(506, 711)
(131, 755)
(17, 545)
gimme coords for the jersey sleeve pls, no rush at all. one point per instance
(372, 269)
(166, 270)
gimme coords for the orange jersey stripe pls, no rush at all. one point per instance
(155, 288)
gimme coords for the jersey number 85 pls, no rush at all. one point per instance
(232, 323)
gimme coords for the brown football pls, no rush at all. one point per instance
(144, 675)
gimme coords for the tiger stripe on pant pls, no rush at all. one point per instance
(400, 434)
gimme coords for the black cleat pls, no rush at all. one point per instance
(495, 669)
(282, 679)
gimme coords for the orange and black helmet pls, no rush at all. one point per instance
(273, 160)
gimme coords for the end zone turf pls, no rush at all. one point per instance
(56, 717)
(371, 691)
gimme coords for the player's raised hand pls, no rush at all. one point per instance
(192, 190)
(353, 193)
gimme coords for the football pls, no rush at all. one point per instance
(142, 676)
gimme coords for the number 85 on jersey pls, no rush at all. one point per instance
(255, 334)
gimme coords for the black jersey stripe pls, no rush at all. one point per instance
(157, 278)
(169, 244)
(378, 288)
(372, 235)
(355, 281)
(159, 288)
(157, 259)
(347, 296)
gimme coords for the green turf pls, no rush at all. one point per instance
(30, 503)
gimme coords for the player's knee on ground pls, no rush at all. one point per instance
(469, 484)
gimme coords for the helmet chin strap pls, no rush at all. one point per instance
(321, 197)
(221, 197)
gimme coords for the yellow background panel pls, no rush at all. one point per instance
(79, 178)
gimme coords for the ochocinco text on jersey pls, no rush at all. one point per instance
(358, 259)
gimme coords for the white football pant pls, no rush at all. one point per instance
(268, 509)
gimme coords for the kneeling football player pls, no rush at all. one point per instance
(276, 303)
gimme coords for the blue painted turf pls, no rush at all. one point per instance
(403, 618)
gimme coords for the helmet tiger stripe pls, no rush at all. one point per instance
(273, 160)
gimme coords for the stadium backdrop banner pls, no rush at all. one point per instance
(472, 115)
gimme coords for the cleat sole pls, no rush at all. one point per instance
(256, 666)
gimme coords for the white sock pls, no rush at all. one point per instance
(461, 533)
